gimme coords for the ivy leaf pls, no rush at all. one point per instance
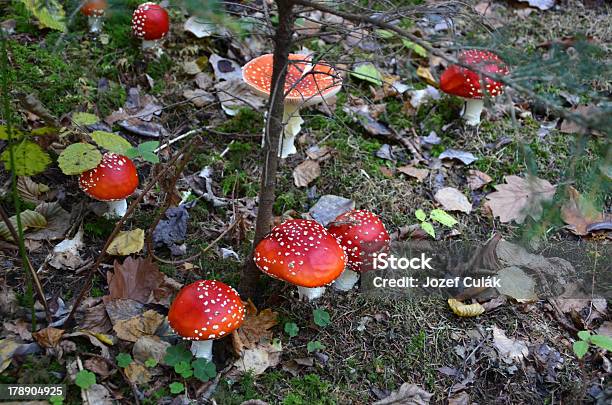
(442, 217)
(428, 227)
(204, 370)
(124, 360)
(82, 118)
(78, 158)
(580, 348)
(183, 368)
(30, 159)
(111, 142)
(321, 317)
(177, 354)
(177, 388)
(49, 13)
(418, 49)
(15, 133)
(314, 345)
(148, 146)
(85, 379)
(291, 329)
(150, 362)
(420, 214)
(602, 341)
(145, 150)
(369, 73)
(56, 400)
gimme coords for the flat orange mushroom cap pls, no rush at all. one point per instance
(301, 252)
(205, 310)
(94, 8)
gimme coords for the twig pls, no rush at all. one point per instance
(131, 209)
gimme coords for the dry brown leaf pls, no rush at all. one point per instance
(510, 350)
(419, 174)
(306, 172)
(48, 337)
(137, 373)
(98, 366)
(520, 197)
(452, 200)
(255, 328)
(93, 340)
(408, 394)
(477, 179)
(20, 328)
(259, 358)
(7, 349)
(579, 213)
(31, 191)
(96, 319)
(132, 329)
(517, 284)
(134, 279)
(465, 310)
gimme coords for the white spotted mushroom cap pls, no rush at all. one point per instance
(301, 252)
(362, 235)
(206, 309)
(462, 82)
(305, 83)
(115, 178)
(150, 21)
(94, 8)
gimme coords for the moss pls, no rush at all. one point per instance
(111, 99)
(159, 67)
(247, 121)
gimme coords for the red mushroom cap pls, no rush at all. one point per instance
(205, 310)
(462, 82)
(301, 252)
(150, 21)
(94, 8)
(362, 235)
(304, 83)
(115, 178)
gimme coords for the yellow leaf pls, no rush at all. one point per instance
(426, 75)
(464, 310)
(127, 242)
(104, 338)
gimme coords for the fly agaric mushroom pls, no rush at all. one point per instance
(204, 311)
(362, 235)
(113, 180)
(466, 83)
(94, 10)
(150, 22)
(306, 84)
(301, 252)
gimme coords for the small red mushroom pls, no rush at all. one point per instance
(303, 253)
(94, 10)
(468, 84)
(306, 84)
(150, 22)
(362, 235)
(113, 180)
(204, 311)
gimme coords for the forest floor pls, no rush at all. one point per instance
(515, 352)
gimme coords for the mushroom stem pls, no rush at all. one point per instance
(310, 294)
(95, 24)
(116, 209)
(346, 281)
(202, 349)
(292, 124)
(473, 108)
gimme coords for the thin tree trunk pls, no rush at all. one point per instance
(274, 128)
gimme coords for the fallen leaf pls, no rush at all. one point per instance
(121, 309)
(135, 279)
(452, 200)
(150, 347)
(306, 172)
(236, 94)
(199, 27)
(459, 398)
(137, 373)
(143, 128)
(58, 222)
(520, 197)
(29, 219)
(385, 152)
(426, 75)
(319, 153)
(478, 179)
(361, 114)
(510, 350)
(515, 283)
(419, 174)
(225, 69)
(419, 97)
(66, 253)
(95, 318)
(255, 328)
(127, 242)
(132, 329)
(465, 157)
(98, 366)
(258, 359)
(465, 310)
(580, 213)
(329, 207)
(203, 81)
(48, 337)
(93, 340)
(172, 231)
(368, 72)
(7, 349)
(31, 191)
(19, 327)
(199, 97)
(541, 4)
(407, 394)
(98, 394)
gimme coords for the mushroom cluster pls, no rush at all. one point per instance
(151, 23)
(204, 311)
(94, 11)
(307, 83)
(472, 86)
(303, 253)
(362, 235)
(113, 180)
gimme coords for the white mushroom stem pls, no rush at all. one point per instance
(346, 281)
(116, 209)
(95, 24)
(202, 349)
(473, 109)
(310, 294)
(292, 125)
